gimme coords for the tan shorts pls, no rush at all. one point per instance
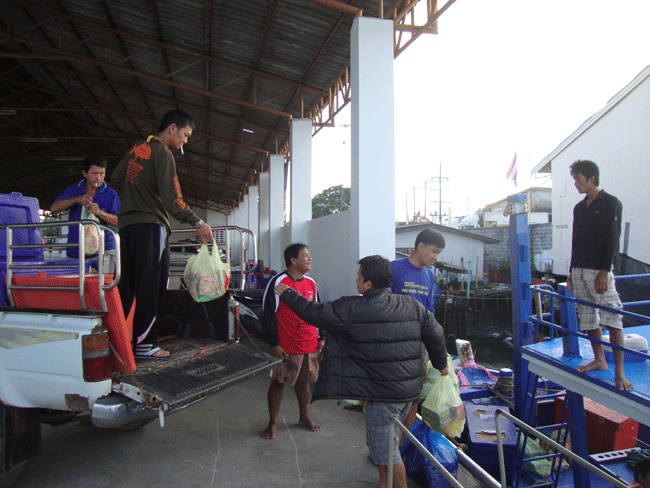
(584, 288)
(299, 368)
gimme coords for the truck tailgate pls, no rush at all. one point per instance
(197, 368)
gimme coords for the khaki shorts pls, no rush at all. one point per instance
(299, 368)
(584, 288)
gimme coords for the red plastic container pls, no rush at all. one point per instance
(120, 328)
(607, 430)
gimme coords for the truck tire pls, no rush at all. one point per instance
(20, 440)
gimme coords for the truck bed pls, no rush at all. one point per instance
(196, 368)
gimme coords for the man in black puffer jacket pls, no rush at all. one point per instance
(374, 353)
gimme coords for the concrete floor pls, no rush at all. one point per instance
(216, 443)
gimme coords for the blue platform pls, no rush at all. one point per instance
(546, 360)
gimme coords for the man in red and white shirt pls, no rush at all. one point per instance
(294, 341)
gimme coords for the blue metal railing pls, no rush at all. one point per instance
(570, 347)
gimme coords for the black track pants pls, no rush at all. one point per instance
(145, 269)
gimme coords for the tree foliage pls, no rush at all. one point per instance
(51, 231)
(331, 200)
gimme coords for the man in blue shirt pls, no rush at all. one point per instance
(92, 192)
(413, 276)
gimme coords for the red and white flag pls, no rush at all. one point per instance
(512, 170)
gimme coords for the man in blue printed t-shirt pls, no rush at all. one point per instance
(413, 276)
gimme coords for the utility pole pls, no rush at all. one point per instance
(439, 180)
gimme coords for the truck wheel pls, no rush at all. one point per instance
(20, 440)
(138, 424)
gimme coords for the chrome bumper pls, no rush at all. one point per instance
(117, 410)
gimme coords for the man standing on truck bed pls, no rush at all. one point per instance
(148, 187)
(100, 199)
(596, 235)
(291, 339)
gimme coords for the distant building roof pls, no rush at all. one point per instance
(544, 165)
(504, 201)
(443, 228)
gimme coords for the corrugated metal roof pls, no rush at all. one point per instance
(97, 76)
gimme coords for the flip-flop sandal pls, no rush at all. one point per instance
(150, 354)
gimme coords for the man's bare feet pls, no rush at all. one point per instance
(622, 383)
(161, 353)
(599, 365)
(309, 423)
(270, 431)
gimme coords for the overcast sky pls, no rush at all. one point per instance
(500, 77)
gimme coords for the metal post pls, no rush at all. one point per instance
(521, 298)
(569, 321)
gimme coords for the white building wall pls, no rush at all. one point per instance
(619, 143)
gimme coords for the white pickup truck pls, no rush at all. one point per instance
(65, 351)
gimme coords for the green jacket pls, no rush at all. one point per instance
(148, 187)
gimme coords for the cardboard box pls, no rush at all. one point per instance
(607, 430)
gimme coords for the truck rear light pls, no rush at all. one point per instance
(95, 354)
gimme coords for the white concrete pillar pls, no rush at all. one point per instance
(373, 139)
(253, 210)
(276, 211)
(300, 179)
(264, 238)
(242, 213)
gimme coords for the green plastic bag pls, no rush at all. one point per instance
(443, 409)
(206, 276)
(91, 236)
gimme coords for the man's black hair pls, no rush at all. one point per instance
(587, 169)
(430, 237)
(93, 160)
(641, 469)
(293, 251)
(179, 117)
(377, 270)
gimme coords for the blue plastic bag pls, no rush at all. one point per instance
(419, 468)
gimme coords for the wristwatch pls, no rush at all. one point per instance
(198, 224)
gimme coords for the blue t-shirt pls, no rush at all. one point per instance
(419, 283)
(106, 199)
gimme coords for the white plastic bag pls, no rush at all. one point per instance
(443, 409)
(91, 236)
(206, 277)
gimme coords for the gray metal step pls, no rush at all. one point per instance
(197, 369)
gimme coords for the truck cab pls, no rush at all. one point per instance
(66, 342)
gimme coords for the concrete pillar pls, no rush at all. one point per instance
(276, 211)
(373, 139)
(300, 179)
(253, 210)
(264, 238)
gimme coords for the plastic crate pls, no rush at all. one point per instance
(4, 299)
(17, 209)
(607, 430)
(482, 439)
